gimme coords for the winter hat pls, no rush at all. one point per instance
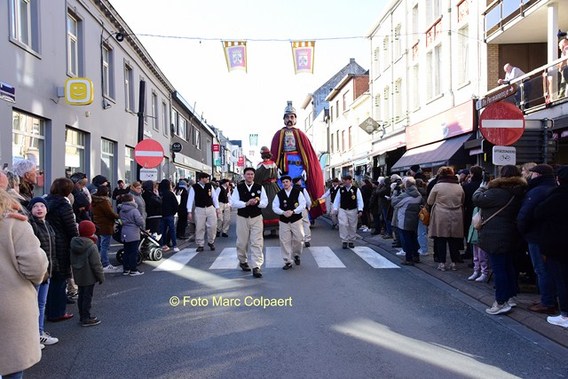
(182, 184)
(543, 169)
(415, 168)
(37, 200)
(87, 228)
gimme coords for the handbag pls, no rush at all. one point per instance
(424, 215)
(476, 220)
(478, 224)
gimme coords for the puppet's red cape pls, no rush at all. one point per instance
(314, 182)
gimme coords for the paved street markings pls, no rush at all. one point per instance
(325, 257)
(177, 261)
(374, 259)
(227, 260)
(273, 257)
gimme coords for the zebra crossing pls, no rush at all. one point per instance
(324, 257)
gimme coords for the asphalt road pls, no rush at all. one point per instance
(314, 321)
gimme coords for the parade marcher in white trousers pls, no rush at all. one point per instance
(289, 204)
(305, 215)
(205, 213)
(249, 198)
(224, 199)
(349, 205)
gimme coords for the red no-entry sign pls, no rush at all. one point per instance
(148, 153)
(502, 123)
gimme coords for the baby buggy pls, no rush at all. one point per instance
(148, 249)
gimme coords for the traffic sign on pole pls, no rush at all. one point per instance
(148, 153)
(502, 123)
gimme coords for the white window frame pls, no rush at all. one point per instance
(24, 24)
(108, 71)
(155, 120)
(73, 44)
(463, 55)
(128, 88)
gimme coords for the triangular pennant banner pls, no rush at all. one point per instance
(235, 55)
(303, 55)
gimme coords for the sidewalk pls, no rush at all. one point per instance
(482, 292)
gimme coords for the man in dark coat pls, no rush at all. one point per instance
(542, 181)
(551, 216)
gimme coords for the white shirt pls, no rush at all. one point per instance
(298, 210)
(236, 201)
(218, 192)
(191, 197)
(337, 201)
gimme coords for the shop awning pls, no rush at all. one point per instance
(434, 154)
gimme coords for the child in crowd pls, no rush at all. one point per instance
(46, 236)
(87, 269)
(132, 222)
(480, 258)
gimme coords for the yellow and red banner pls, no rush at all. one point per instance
(303, 55)
(235, 55)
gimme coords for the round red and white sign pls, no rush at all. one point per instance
(148, 153)
(502, 123)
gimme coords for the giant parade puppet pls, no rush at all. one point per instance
(295, 156)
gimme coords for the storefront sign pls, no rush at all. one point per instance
(451, 123)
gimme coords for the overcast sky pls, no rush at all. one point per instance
(243, 103)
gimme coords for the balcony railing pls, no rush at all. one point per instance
(543, 87)
(500, 12)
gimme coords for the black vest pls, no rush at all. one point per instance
(333, 192)
(348, 199)
(245, 195)
(289, 204)
(203, 195)
(223, 198)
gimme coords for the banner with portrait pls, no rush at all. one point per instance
(303, 55)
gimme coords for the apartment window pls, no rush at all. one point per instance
(129, 165)
(129, 88)
(198, 139)
(386, 105)
(463, 55)
(331, 144)
(108, 162)
(165, 117)
(75, 141)
(175, 121)
(415, 23)
(433, 11)
(415, 93)
(397, 42)
(343, 140)
(346, 100)
(24, 23)
(182, 128)
(377, 107)
(397, 99)
(331, 113)
(434, 71)
(386, 51)
(349, 138)
(155, 124)
(377, 59)
(74, 45)
(337, 139)
(108, 72)
(337, 109)
(28, 142)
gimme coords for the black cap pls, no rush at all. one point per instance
(543, 169)
(415, 168)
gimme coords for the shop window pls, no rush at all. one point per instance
(75, 142)
(129, 165)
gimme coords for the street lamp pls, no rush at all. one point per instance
(370, 126)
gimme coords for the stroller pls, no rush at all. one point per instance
(148, 249)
